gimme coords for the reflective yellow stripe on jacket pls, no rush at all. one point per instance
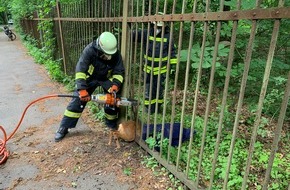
(157, 39)
(155, 59)
(119, 78)
(156, 70)
(147, 102)
(80, 75)
(173, 61)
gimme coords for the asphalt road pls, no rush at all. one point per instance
(21, 82)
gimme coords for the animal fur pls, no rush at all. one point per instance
(126, 131)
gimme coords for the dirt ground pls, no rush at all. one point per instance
(82, 160)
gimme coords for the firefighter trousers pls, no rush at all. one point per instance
(150, 104)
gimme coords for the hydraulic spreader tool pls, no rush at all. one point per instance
(109, 99)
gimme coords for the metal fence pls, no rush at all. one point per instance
(225, 101)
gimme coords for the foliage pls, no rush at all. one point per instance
(208, 55)
(127, 171)
(97, 111)
(53, 67)
(70, 1)
(22, 9)
(279, 173)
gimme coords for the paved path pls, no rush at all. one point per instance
(22, 81)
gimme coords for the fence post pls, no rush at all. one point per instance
(124, 53)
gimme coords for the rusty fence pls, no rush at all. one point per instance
(221, 119)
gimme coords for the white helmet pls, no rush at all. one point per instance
(107, 43)
(159, 23)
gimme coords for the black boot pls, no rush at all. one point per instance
(60, 134)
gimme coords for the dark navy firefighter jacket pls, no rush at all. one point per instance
(165, 54)
(91, 70)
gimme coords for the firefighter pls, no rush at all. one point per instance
(152, 59)
(100, 64)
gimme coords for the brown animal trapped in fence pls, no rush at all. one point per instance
(126, 131)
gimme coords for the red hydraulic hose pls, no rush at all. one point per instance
(3, 151)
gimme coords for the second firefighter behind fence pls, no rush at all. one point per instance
(156, 52)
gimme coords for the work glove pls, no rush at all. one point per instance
(113, 88)
(84, 96)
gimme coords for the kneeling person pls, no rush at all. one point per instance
(99, 65)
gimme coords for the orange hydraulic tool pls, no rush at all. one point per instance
(112, 100)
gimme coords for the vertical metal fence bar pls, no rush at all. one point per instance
(160, 55)
(187, 71)
(226, 86)
(90, 24)
(188, 67)
(212, 74)
(97, 16)
(69, 35)
(184, 94)
(83, 29)
(254, 132)
(110, 15)
(205, 28)
(277, 132)
(78, 27)
(175, 86)
(90, 29)
(159, 76)
(106, 13)
(120, 15)
(101, 15)
(152, 73)
(283, 105)
(133, 62)
(75, 26)
(61, 36)
(141, 62)
(167, 83)
(145, 73)
(88, 15)
(131, 58)
(66, 28)
(115, 27)
(114, 14)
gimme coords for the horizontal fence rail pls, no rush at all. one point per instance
(273, 13)
(215, 75)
